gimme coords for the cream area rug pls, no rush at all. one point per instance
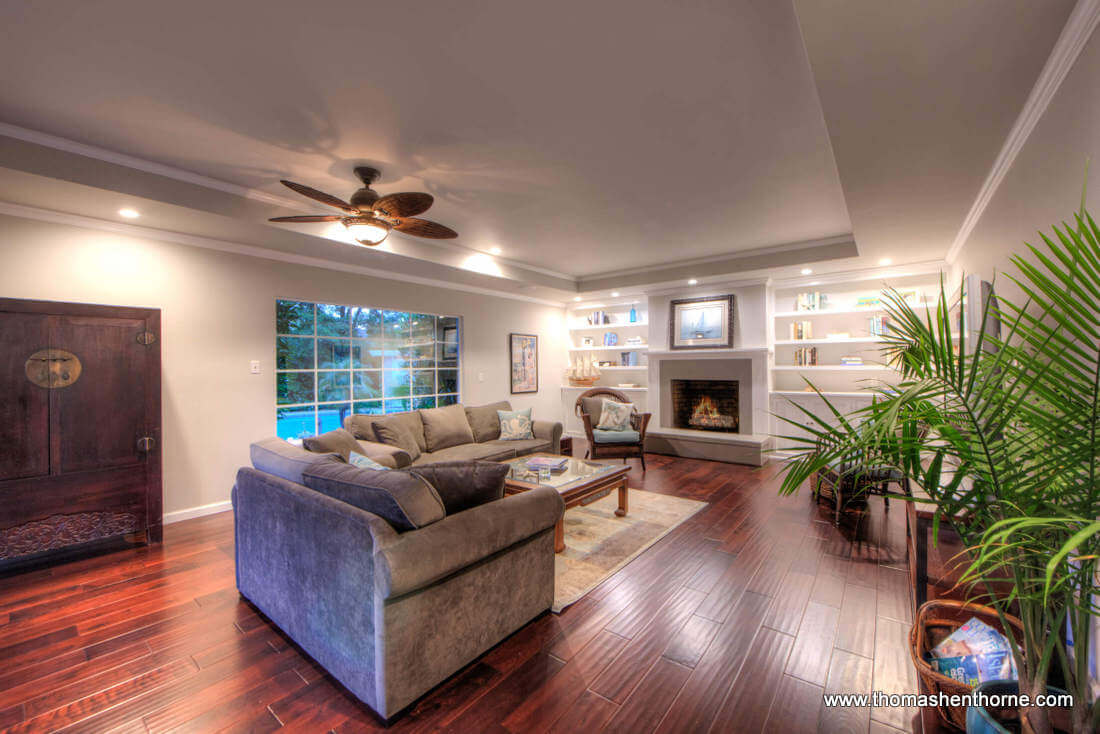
(597, 544)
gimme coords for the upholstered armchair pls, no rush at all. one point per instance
(610, 444)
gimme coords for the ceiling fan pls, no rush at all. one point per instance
(370, 217)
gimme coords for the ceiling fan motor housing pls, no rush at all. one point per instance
(366, 196)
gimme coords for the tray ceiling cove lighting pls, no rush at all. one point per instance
(128, 213)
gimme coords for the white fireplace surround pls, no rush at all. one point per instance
(749, 366)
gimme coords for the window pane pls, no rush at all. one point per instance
(423, 403)
(333, 354)
(369, 407)
(294, 353)
(423, 382)
(397, 406)
(420, 356)
(366, 354)
(421, 328)
(366, 323)
(396, 327)
(294, 387)
(296, 422)
(331, 417)
(333, 386)
(367, 385)
(395, 357)
(448, 381)
(293, 317)
(333, 320)
(396, 384)
(447, 341)
(443, 400)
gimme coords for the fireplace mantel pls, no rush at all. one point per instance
(746, 352)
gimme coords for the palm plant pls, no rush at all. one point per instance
(1002, 431)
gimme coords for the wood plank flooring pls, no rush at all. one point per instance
(737, 621)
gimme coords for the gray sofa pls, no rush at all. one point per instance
(453, 433)
(392, 601)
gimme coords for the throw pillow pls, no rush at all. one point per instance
(484, 421)
(392, 431)
(446, 427)
(365, 462)
(334, 442)
(515, 425)
(615, 416)
(406, 501)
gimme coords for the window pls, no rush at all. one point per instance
(331, 361)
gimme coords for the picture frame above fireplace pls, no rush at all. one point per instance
(701, 323)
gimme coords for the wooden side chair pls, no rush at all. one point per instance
(610, 444)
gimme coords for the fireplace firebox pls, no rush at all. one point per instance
(706, 405)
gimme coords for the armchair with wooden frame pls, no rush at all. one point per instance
(605, 444)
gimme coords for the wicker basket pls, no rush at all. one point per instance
(583, 381)
(936, 620)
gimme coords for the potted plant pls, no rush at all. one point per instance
(1004, 431)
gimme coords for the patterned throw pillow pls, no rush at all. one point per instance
(615, 416)
(515, 425)
(365, 462)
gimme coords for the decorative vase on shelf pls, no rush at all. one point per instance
(633, 315)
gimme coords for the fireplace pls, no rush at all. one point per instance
(706, 405)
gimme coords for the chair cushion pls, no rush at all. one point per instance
(615, 416)
(593, 407)
(446, 427)
(393, 431)
(484, 421)
(406, 501)
(284, 460)
(601, 436)
(365, 462)
(334, 442)
(488, 451)
(515, 425)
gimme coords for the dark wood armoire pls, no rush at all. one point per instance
(79, 428)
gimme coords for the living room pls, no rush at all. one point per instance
(452, 369)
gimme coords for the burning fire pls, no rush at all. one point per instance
(706, 414)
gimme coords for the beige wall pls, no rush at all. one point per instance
(218, 313)
(1043, 187)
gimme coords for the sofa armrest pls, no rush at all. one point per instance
(419, 558)
(464, 484)
(551, 431)
(386, 455)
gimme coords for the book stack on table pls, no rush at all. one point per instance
(553, 463)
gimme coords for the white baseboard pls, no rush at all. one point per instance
(192, 512)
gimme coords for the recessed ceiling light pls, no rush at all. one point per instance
(693, 281)
(495, 250)
(815, 282)
(614, 294)
(128, 213)
(807, 271)
(885, 261)
(576, 298)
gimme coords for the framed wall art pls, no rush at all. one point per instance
(523, 357)
(701, 323)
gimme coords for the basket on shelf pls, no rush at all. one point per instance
(583, 381)
(936, 619)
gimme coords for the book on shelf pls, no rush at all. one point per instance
(801, 330)
(877, 325)
(628, 359)
(814, 301)
(635, 341)
(598, 318)
(847, 361)
(805, 356)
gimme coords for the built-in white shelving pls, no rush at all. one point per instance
(616, 348)
(609, 327)
(826, 340)
(832, 368)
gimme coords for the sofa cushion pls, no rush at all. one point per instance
(406, 501)
(446, 427)
(361, 425)
(464, 484)
(524, 447)
(484, 421)
(334, 442)
(393, 431)
(284, 460)
(601, 436)
(390, 457)
(488, 451)
(515, 425)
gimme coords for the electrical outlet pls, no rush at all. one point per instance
(254, 367)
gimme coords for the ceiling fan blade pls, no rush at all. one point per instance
(404, 205)
(309, 218)
(424, 228)
(320, 196)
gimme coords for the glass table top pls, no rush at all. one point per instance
(576, 471)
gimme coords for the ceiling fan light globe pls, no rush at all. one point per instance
(368, 233)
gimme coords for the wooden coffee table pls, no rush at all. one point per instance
(581, 483)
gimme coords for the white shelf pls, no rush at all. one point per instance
(838, 311)
(616, 348)
(833, 368)
(613, 387)
(622, 367)
(599, 327)
(826, 393)
(844, 340)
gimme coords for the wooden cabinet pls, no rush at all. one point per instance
(79, 427)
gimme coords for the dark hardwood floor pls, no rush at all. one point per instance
(737, 621)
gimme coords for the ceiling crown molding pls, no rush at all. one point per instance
(1079, 27)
